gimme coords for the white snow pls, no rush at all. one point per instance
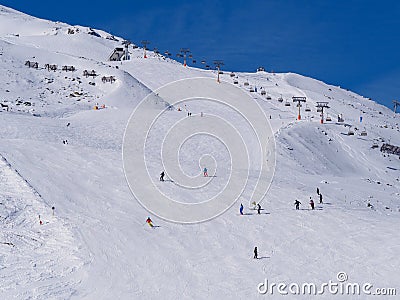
(98, 246)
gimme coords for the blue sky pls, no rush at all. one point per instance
(351, 43)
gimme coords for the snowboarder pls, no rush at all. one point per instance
(255, 253)
(297, 203)
(162, 176)
(258, 208)
(205, 172)
(150, 222)
(311, 203)
(320, 198)
(241, 209)
(317, 191)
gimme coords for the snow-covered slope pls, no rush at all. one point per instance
(97, 244)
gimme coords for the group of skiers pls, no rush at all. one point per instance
(257, 206)
(205, 174)
(312, 204)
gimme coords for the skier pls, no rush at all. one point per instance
(311, 203)
(297, 203)
(162, 176)
(68, 124)
(205, 172)
(320, 198)
(150, 222)
(258, 208)
(241, 209)
(255, 253)
(317, 191)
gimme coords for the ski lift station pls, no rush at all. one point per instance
(117, 54)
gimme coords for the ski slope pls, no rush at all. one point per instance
(97, 244)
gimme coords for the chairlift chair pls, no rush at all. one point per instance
(251, 90)
(235, 82)
(268, 97)
(307, 108)
(328, 118)
(263, 92)
(246, 83)
(363, 133)
(280, 99)
(232, 74)
(287, 103)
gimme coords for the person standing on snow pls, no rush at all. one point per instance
(162, 176)
(320, 198)
(255, 253)
(241, 209)
(258, 208)
(312, 203)
(205, 172)
(150, 222)
(297, 203)
(317, 191)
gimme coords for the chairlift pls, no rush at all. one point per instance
(350, 132)
(251, 90)
(235, 82)
(269, 97)
(193, 61)
(190, 56)
(307, 108)
(363, 133)
(207, 67)
(328, 118)
(280, 99)
(232, 74)
(220, 72)
(287, 103)
(263, 92)
(246, 83)
(203, 62)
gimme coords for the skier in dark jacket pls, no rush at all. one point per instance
(258, 208)
(297, 203)
(311, 203)
(317, 191)
(162, 176)
(241, 209)
(255, 253)
(320, 198)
